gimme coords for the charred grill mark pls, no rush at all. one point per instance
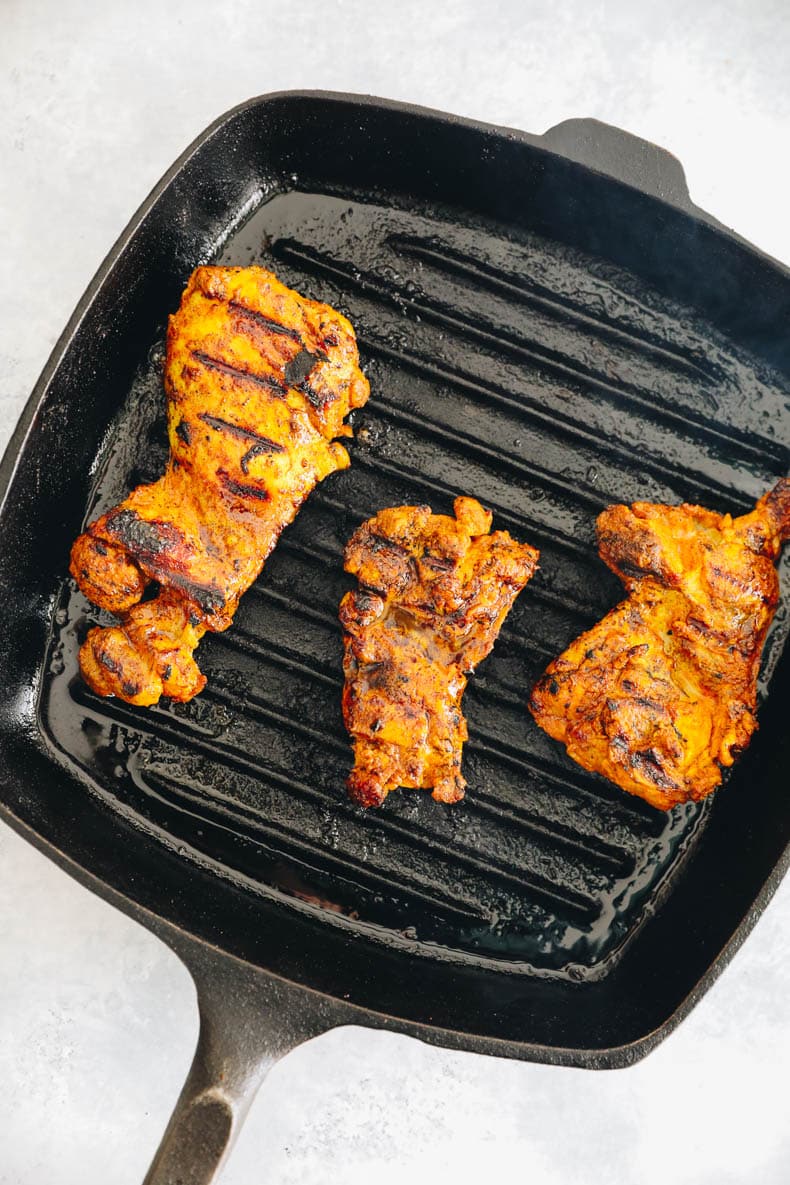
(297, 370)
(242, 433)
(317, 399)
(437, 562)
(143, 538)
(707, 636)
(701, 627)
(156, 545)
(267, 322)
(207, 597)
(732, 578)
(648, 763)
(640, 648)
(109, 663)
(184, 432)
(644, 702)
(630, 561)
(241, 490)
(777, 502)
(378, 543)
(260, 445)
(258, 450)
(629, 570)
(238, 372)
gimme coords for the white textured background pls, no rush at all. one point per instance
(97, 1020)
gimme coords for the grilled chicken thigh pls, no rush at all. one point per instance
(661, 694)
(258, 381)
(433, 593)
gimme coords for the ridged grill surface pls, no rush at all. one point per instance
(545, 384)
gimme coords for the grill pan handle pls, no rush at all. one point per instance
(248, 1021)
(623, 156)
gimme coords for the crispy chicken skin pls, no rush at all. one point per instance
(661, 694)
(258, 381)
(433, 593)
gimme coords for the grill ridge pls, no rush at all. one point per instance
(528, 291)
(344, 864)
(560, 366)
(599, 849)
(426, 426)
(157, 725)
(665, 471)
(583, 907)
(257, 704)
(165, 724)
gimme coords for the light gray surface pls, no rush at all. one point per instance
(97, 1020)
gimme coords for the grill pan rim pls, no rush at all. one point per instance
(36, 831)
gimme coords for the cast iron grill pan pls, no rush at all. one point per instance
(539, 335)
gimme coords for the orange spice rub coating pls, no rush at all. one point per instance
(434, 592)
(258, 382)
(661, 694)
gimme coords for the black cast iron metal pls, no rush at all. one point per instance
(550, 325)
